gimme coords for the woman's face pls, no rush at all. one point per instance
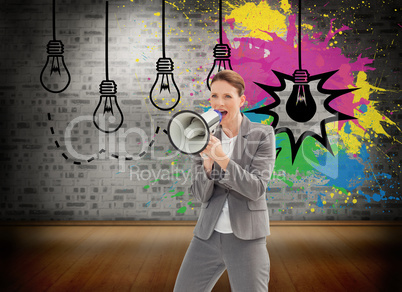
(226, 99)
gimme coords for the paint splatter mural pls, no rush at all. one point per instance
(262, 50)
(332, 178)
(342, 163)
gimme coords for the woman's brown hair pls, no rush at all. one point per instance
(232, 78)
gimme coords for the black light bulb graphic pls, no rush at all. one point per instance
(221, 62)
(164, 94)
(54, 76)
(221, 53)
(301, 106)
(107, 116)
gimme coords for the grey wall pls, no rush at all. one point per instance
(48, 174)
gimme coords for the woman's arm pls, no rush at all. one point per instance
(202, 184)
(251, 181)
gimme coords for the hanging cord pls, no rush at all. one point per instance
(300, 61)
(54, 20)
(220, 21)
(163, 29)
(106, 41)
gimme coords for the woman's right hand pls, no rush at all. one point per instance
(208, 162)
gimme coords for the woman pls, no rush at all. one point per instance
(230, 179)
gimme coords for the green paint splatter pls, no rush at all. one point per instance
(178, 194)
(182, 210)
(301, 166)
(343, 190)
(146, 187)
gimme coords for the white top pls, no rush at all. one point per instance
(223, 224)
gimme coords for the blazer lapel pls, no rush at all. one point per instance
(218, 134)
(241, 141)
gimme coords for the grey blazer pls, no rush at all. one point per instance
(244, 183)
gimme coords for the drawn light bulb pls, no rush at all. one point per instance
(221, 62)
(165, 94)
(108, 116)
(55, 76)
(221, 53)
(300, 105)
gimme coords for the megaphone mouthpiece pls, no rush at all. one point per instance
(189, 131)
(196, 128)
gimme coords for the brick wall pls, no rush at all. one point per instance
(48, 174)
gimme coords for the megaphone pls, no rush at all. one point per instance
(189, 131)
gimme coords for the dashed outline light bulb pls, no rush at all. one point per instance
(55, 76)
(108, 116)
(164, 94)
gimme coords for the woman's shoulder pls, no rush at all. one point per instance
(257, 131)
(254, 126)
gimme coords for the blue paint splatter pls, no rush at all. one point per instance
(363, 108)
(319, 201)
(347, 128)
(351, 174)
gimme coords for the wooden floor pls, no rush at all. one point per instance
(147, 258)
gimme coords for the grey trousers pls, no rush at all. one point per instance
(247, 262)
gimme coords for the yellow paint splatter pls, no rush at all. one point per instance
(285, 6)
(369, 119)
(157, 14)
(306, 26)
(312, 210)
(259, 19)
(266, 122)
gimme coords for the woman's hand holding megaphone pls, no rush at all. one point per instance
(208, 161)
(214, 152)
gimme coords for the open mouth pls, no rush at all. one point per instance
(224, 113)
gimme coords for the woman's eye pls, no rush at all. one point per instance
(228, 96)
(213, 96)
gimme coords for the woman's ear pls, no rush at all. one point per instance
(242, 100)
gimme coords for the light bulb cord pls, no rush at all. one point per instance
(54, 20)
(300, 60)
(106, 41)
(163, 29)
(220, 22)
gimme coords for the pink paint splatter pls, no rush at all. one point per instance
(255, 59)
(230, 21)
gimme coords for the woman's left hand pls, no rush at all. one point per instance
(215, 151)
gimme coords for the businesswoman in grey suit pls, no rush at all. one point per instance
(230, 178)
